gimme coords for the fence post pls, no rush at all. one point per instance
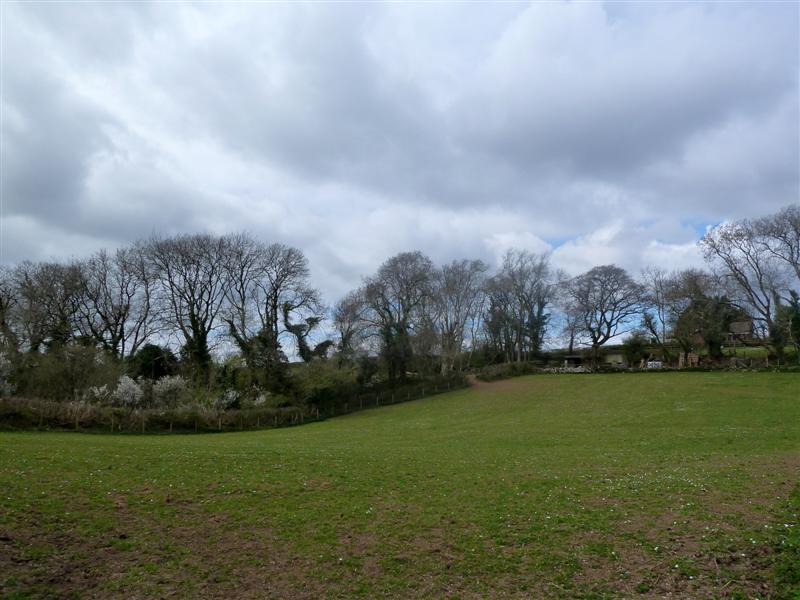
(219, 422)
(144, 418)
(377, 399)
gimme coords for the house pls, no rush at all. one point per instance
(615, 359)
(740, 331)
(573, 360)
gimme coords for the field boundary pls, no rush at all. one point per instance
(47, 415)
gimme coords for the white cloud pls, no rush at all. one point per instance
(607, 132)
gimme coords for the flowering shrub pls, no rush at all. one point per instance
(169, 391)
(98, 395)
(128, 393)
(229, 399)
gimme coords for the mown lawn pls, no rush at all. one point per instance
(544, 486)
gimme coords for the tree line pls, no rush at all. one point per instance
(224, 313)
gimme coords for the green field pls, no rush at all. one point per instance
(543, 486)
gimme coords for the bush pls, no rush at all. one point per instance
(128, 393)
(170, 391)
(506, 370)
(228, 400)
(66, 373)
(99, 395)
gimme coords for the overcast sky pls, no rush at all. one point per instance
(601, 132)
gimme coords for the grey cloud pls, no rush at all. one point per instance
(356, 131)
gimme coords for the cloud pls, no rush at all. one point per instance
(602, 132)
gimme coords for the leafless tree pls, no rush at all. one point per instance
(518, 299)
(192, 274)
(757, 278)
(458, 288)
(115, 304)
(349, 321)
(779, 234)
(394, 296)
(658, 292)
(244, 265)
(607, 300)
(9, 338)
(48, 296)
(570, 319)
(269, 296)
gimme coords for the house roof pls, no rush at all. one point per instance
(741, 327)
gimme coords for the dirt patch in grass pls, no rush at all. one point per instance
(499, 385)
(210, 558)
(679, 555)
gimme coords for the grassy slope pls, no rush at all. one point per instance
(548, 485)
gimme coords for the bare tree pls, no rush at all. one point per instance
(48, 295)
(349, 315)
(779, 234)
(192, 274)
(269, 298)
(285, 295)
(658, 287)
(518, 300)
(115, 305)
(607, 299)
(241, 314)
(394, 296)
(758, 279)
(570, 331)
(9, 338)
(458, 288)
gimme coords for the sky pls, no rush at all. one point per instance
(599, 132)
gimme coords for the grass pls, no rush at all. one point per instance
(587, 486)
